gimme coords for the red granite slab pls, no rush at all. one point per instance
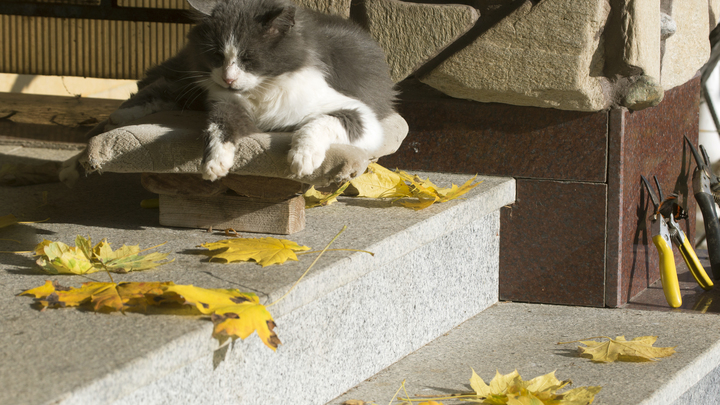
(462, 136)
(647, 142)
(552, 243)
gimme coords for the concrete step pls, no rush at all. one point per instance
(511, 336)
(353, 315)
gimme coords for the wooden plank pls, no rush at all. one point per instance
(181, 184)
(264, 188)
(69, 112)
(239, 213)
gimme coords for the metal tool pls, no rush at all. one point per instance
(706, 188)
(665, 232)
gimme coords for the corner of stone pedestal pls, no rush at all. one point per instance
(643, 93)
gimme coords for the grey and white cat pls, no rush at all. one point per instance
(268, 65)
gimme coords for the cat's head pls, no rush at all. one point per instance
(243, 42)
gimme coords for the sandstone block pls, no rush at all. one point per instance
(688, 49)
(642, 36)
(547, 55)
(335, 7)
(413, 33)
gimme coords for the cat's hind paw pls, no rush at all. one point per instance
(304, 160)
(219, 159)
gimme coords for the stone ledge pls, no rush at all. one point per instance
(512, 336)
(347, 320)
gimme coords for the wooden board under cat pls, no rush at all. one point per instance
(243, 203)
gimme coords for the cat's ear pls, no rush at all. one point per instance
(204, 6)
(279, 21)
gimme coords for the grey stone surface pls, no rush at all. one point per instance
(350, 317)
(706, 391)
(413, 33)
(511, 336)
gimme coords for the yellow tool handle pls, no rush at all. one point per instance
(697, 270)
(668, 274)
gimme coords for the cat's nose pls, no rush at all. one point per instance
(229, 81)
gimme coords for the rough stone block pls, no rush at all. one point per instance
(336, 7)
(642, 41)
(547, 55)
(689, 48)
(403, 30)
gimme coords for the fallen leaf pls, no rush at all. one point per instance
(637, 350)
(7, 220)
(59, 258)
(240, 321)
(353, 402)
(234, 314)
(209, 300)
(264, 251)
(510, 389)
(379, 182)
(315, 198)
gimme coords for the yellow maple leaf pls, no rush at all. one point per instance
(241, 320)
(235, 314)
(264, 251)
(59, 258)
(7, 220)
(209, 300)
(379, 182)
(315, 198)
(510, 389)
(637, 350)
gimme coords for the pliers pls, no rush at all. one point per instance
(706, 186)
(666, 231)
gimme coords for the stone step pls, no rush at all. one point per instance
(510, 336)
(353, 315)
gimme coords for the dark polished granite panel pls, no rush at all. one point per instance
(647, 142)
(461, 136)
(552, 243)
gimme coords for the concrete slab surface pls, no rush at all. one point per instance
(511, 336)
(69, 356)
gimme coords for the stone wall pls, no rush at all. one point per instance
(583, 55)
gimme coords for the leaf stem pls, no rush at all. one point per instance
(308, 269)
(336, 250)
(580, 340)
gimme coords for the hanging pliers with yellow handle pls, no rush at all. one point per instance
(666, 231)
(706, 188)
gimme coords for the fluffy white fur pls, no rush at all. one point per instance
(300, 98)
(221, 155)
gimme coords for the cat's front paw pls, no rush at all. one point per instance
(122, 116)
(305, 160)
(219, 159)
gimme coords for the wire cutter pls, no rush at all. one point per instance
(706, 186)
(666, 231)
